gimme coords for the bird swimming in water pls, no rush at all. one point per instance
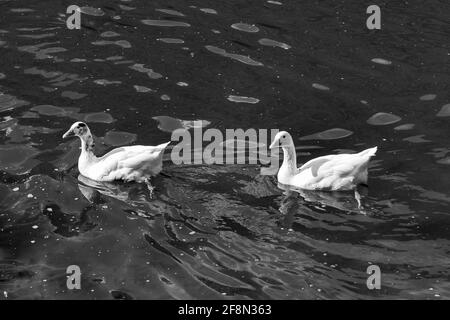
(131, 163)
(336, 172)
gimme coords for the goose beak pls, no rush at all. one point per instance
(274, 144)
(69, 133)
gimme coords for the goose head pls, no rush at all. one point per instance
(81, 130)
(282, 139)
(78, 129)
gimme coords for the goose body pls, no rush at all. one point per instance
(132, 163)
(332, 172)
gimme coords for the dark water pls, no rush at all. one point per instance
(213, 232)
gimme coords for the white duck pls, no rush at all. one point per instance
(132, 163)
(336, 172)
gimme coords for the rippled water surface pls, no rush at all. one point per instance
(137, 70)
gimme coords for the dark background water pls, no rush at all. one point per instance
(214, 232)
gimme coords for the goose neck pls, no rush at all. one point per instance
(289, 159)
(87, 146)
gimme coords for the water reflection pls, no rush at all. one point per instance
(130, 193)
(320, 200)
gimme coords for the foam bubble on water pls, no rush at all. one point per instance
(113, 58)
(96, 12)
(416, 139)
(105, 82)
(444, 161)
(100, 117)
(171, 12)
(73, 95)
(208, 10)
(121, 43)
(124, 62)
(251, 28)
(76, 60)
(382, 119)
(143, 89)
(109, 34)
(428, 97)
(320, 86)
(445, 111)
(170, 124)
(21, 10)
(242, 99)
(170, 40)
(381, 61)
(126, 8)
(331, 134)
(140, 68)
(37, 36)
(238, 57)
(273, 43)
(406, 126)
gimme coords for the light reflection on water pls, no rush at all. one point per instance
(221, 232)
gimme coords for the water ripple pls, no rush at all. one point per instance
(165, 23)
(234, 56)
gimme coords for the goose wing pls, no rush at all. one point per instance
(338, 165)
(145, 157)
(111, 165)
(123, 152)
(315, 164)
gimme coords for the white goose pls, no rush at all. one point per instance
(336, 172)
(132, 163)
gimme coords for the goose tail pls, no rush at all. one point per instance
(162, 146)
(368, 152)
